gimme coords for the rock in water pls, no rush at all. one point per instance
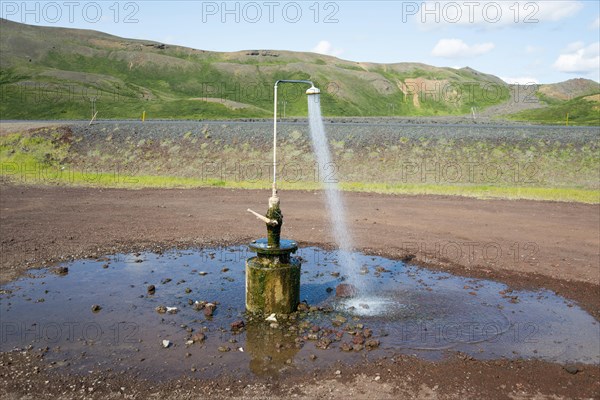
(209, 309)
(237, 325)
(345, 290)
(198, 337)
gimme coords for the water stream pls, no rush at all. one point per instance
(335, 203)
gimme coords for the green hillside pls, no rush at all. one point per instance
(583, 110)
(56, 73)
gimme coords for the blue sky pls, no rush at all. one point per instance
(519, 41)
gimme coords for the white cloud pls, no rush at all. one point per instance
(325, 47)
(579, 59)
(554, 10)
(456, 48)
(595, 24)
(520, 80)
(491, 14)
(573, 47)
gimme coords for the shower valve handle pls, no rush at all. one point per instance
(263, 218)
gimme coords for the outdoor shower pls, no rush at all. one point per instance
(273, 276)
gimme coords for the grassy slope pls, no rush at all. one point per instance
(48, 157)
(580, 110)
(574, 97)
(52, 73)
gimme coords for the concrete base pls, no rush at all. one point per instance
(272, 289)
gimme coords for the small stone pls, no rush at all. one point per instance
(324, 343)
(225, 269)
(198, 337)
(61, 271)
(166, 343)
(96, 308)
(188, 290)
(271, 318)
(358, 339)
(572, 369)
(329, 290)
(224, 349)
(151, 289)
(335, 274)
(313, 357)
(303, 307)
(105, 266)
(237, 325)
(346, 346)
(172, 310)
(161, 309)
(199, 305)
(372, 344)
(202, 273)
(367, 333)
(338, 372)
(209, 309)
(166, 280)
(345, 290)
(364, 270)
(358, 347)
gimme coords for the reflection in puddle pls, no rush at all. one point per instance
(409, 310)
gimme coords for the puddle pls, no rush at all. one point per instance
(411, 310)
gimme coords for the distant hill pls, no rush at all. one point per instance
(51, 73)
(61, 73)
(570, 89)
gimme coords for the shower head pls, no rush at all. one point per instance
(313, 90)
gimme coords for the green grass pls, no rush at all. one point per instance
(581, 112)
(32, 174)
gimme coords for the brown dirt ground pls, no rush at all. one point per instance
(525, 244)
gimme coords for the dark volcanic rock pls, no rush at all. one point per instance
(237, 325)
(198, 337)
(209, 309)
(345, 290)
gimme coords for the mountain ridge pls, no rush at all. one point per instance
(51, 72)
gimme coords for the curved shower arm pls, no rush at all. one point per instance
(293, 81)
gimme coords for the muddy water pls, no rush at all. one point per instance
(414, 311)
